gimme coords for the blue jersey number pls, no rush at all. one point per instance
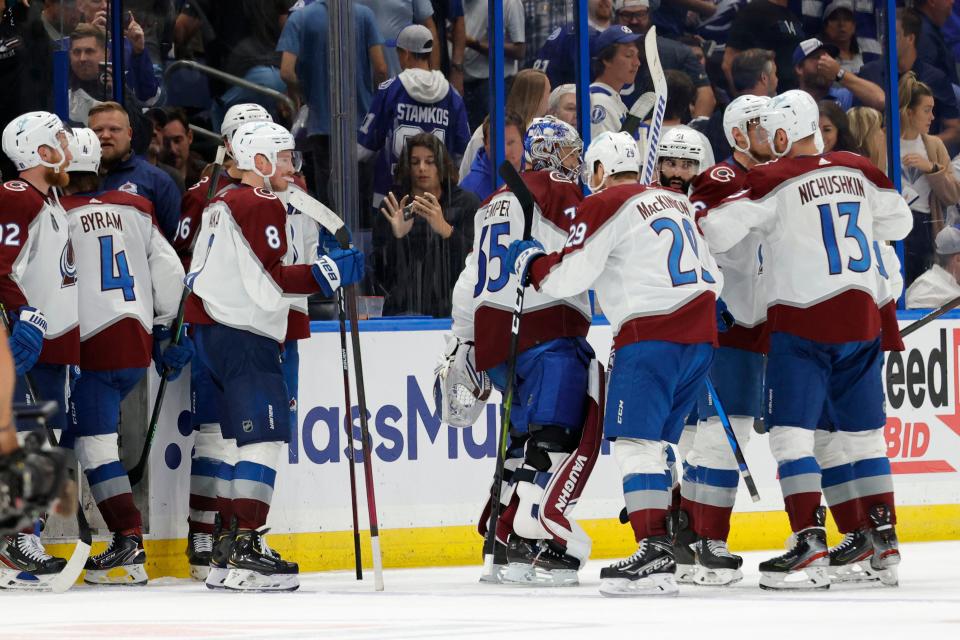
(678, 276)
(497, 250)
(850, 211)
(123, 280)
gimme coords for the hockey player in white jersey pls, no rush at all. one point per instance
(130, 281)
(555, 421)
(818, 217)
(38, 292)
(639, 248)
(239, 305)
(680, 156)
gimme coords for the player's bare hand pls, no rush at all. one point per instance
(392, 210)
(918, 161)
(428, 207)
(134, 33)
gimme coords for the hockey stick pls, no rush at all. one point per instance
(638, 113)
(138, 470)
(78, 559)
(732, 439)
(522, 194)
(660, 88)
(348, 427)
(930, 317)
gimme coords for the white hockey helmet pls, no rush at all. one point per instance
(682, 142)
(797, 113)
(544, 143)
(85, 150)
(617, 152)
(25, 134)
(738, 113)
(240, 114)
(260, 138)
(460, 391)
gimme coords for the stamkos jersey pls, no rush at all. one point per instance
(38, 266)
(129, 278)
(484, 295)
(818, 217)
(303, 238)
(237, 273)
(741, 271)
(607, 109)
(191, 212)
(639, 248)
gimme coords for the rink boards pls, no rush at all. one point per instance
(431, 479)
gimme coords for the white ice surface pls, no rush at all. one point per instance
(449, 603)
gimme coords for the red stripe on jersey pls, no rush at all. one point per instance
(298, 326)
(122, 345)
(191, 213)
(890, 328)
(20, 203)
(851, 316)
(755, 339)
(764, 178)
(693, 323)
(194, 312)
(493, 330)
(62, 350)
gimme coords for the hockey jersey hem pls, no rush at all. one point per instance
(851, 316)
(492, 330)
(693, 323)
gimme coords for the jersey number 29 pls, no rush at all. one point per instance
(678, 245)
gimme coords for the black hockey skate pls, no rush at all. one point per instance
(649, 571)
(804, 565)
(199, 552)
(539, 563)
(25, 564)
(494, 574)
(255, 567)
(850, 560)
(684, 539)
(220, 555)
(886, 548)
(122, 563)
(716, 566)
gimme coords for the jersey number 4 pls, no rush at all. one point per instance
(122, 279)
(850, 211)
(678, 245)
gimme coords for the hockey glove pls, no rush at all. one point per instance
(521, 255)
(26, 339)
(725, 319)
(339, 268)
(327, 242)
(168, 356)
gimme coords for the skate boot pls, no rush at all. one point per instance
(25, 564)
(850, 560)
(255, 567)
(886, 549)
(804, 565)
(494, 574)
(678, 526)
(649, 571)
(121, 563)
(540, 563)
(199, 551)
(716, 566)
(222, 546)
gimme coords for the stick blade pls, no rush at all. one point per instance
(316, 210)
(68, 577)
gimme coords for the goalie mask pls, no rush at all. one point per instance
(553, 145)
(460, 391)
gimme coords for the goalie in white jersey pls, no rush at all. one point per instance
(818, 217)
(639, 248)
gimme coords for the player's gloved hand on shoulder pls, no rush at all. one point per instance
(521, 255)
(339, 268)
(725, 319)
(26, 338)
(168, 356)
(327, 242)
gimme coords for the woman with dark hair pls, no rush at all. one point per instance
(835, 128)
(425, 234)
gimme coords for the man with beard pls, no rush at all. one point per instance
(126, 171)
(679, 158)
(38, 292)
(818, 69)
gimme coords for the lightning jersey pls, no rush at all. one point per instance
(639, 248)
(38, 267)
(237, 272)
(483, 298)
(129, 278)
(818, 217)
(191, 212)
(741, 272)
(607, 109)
(303, 237)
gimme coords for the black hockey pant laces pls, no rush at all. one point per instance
(29, 545)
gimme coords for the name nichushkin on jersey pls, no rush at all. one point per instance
(830, 185)
(424, 115)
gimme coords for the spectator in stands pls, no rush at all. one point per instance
(680, 94)
(672, 17)
(424, 234)
(451, 26)
(155, 151)
(941, 283)
(599, 14)
(931, 46)
(392, 16)
(818, 72)
(91, 72)
(177, 143)
(479, 180)
(157, 18)
(476, 83)
(126, 171)
(840, 30)
(715, 29)
(866, 128)
(946, 114)
(835, 128)
(615, 62)
(417, 101)
(929, 184)
(563, 103)
(765, 24)
(813, 16)
(557, 55)
(305, 67)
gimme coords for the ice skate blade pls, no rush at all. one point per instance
(246, 580)
(529, 575)
(199, 572)
(706, 577)
(685, 573)
(494, 576)
(128, 575)
(862, 574)
(25, 581)
(657, 584)
(808, 579)
(215, 577)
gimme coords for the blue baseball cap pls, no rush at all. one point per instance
(809, 47)
(617, 34)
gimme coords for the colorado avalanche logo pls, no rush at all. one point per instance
(128, 187)
(722, 174)
(68, 266)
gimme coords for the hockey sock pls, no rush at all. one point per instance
(873, 482)
(646, 488)
(100, 460)
(208, 450)
(688, 493)
(716, 493)
(253, 480)
(799, 473)
(713, 484)
(838, 481)
(224, 484)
